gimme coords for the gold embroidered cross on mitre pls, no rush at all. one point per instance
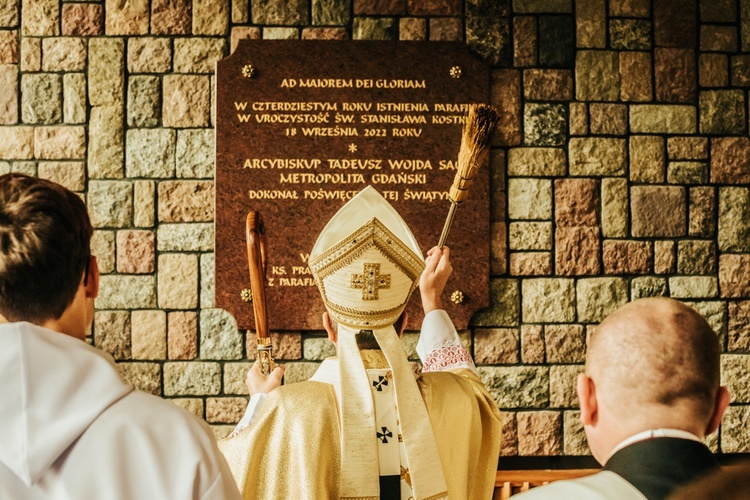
(370, 281)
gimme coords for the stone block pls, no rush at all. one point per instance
(150, 153)
(186, 101)
(234, 377)
(597, 75)
(716, 38)
(488, 31)
(127, 18)
(175, 207)
(740, 70)
(577, 251)
(525, 41)
(143, 101)
(564, 344)
(225, 410)
(648, 286)
(195, 153)
(135, 252)
(574, 435)
(675, 75)
(82, 19)
(532, 344)
(576, 202)
(192, 378)
(739, 327)
(31, 54)
(16, 143)
(734, 275)
(614, 216)
(734, 435)
(591, 24)
(562, 382)
(9, 14)
(103, 248)
(730, 160)
(498, 248)
(735, 374)
(715, 313)
(687, 148)
(664, 257)
(145, 377)
(9, 98)
(40, 98)
(40, 18)
(702, 207)
(197, 55)
(106, 71)
(504, 311)
(713, 70)
(693, 287)
(629, 8)
(106, 149)
(434, 7)
(675, 23)
(593, 156)
(505, 96)
(530, 263)
(531, 236)
(193, 405)
(149, 334)
(287, 346)
(149, 55)
(243, 33)
(110, 203)
(627, 257)
(278, 33)
(143, 203)
(446, 29)
(74, 98)
(545, 124)
(557, 41)
(207, 280)
(696, 257)
(579, 118)
(662, 119)
(687, 172)
(548, 84)
(71, 174)
(412, 28)
(718, 11)
(338, 33)
(112, 333)
(126, 292)
(171, 17)
(517, 386)
(630, 34)
(722, 112)
(182, 335)
(219, 337)
(331, 12)
(734, 219)
(658, 211)
(635, 76)
(509, 434)
(318, 349)
(295, 12)
(529, 198)
(374, 28)
(539, 433)
(548, 300)
(185, 237)
(299, 372)
(379, 7)
(536, 162)
(63, 54)
(59, 142)
(646, 159)
(608, 119)
(210, 17)
(598, 297)
(24, 167)
(496, 346)
(178, 281)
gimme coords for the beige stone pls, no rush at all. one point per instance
(143, 203)
(575, 435)
(548, 300)
(9, 96)
(71, 174)
(9, 13)
(106, 71)
(579, 118)
(149, 55)
(74, 98)
(127, 18)
(150, 153)
(112, 333)
(598, 297)
(182, 335)
(591, 24)
(41, 101)
(279, 33)
(496, 346)
(562, 386)
(597, 75)
(517, 386)
(40, 17)
(531, 236)
(529, 198)
(143, 101)
(693, 287)
(734, 219)
(614, 214)
(149, 334)
(225, 410)
(664, 257)
(185, 101)
(646, 159)
(195, 155)
(539, 433)
(59, 143)
(504, 305)
(197, 237)
(565, 343)
(234, 377)
(198, 55)
(299, 372)
(186, 201)
(219, 337)
(103, 248)
(498, 248)
(532, 344)
(530, 263)
(207, 280)
(31, 54)
(126, 292)
(536, 162)
(106, 148)
(143, 376)
(63, 54)
(596, 156)
(178, 281)
(210, 17)
(193, 405)
(662, 119)
(192, 378)
(110, 203)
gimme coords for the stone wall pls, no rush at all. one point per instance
(621, 170)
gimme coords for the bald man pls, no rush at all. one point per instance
(649, 394)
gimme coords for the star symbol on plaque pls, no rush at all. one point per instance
(379, 383)
(370, 281)
(383, 436)
(455, 72)
(352, 148)
(248, 71)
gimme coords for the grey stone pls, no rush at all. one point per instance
(598, 297)
(299, 372)
(219, 336)
(126, 292)
(562, 386)
(112, 333)
(192, 378)
(103, 248)
(687, 172)
(331, 12)
(24, 167)
(575, 442)
(488, 30)
(375, 28)
(195, 153)
(280, 33)
(648, 286)
(696, 257)
(530, 235)
(517, 386)
(734, 219)
(185, 237)
(292, 12)
(110, 203)
(150, 153)
(143, 101)
(74, 98)
(597, 75)
(548, 300)
(207, 280)
(690, 287)
(596, 156)
(722, 112)
(536, 161)
(735, 374)
(630, 34)
(542, 6)
(198, 55)
(662, 119)
(614, 207)
(106, 149)
(234, 377)
(318, 349)
(545, 124)
(40, 98)
(734, 435)
(106, 71)
(143, 376)
(503, 310)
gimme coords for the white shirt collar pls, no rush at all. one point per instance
(655, 433)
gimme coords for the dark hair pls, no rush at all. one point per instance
(45, 237)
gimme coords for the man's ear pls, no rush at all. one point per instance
(587, 399)
(329, 328)
(722, 401)
(92, 280)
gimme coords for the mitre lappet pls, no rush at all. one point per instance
(367, 263)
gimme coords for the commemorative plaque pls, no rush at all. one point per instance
(302, 126)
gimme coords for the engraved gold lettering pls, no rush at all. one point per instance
(393, 119)
(400, 178)
(406, 132)
(301, 270)
(447, 165)
(293, 178)
(402, 107)
(451, 108)
(272, 194)
(410, 164)
(329, 131)
(354, 164)
(282, 163)
(325, 83)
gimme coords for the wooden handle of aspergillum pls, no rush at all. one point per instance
(256, 256)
